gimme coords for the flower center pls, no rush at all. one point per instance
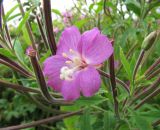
(74, 63)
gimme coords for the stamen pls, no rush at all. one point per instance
(71, 51)
(64, 55)
(68, 62)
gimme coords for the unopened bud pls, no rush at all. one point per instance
(149, 40)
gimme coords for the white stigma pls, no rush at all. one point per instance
(66, 73)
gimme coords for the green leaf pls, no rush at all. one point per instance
(23, 21)
(26, 35)
(81, 23)
(91, 7)
(125, 64)
(35, 2)
(13, 16)
(56, 12)
(19, 51)
(99, 8)
(85, 121)
(154, 4)
(109, 121)
(7, 53)
(88, 101)
(134, 6)
(71, 122)
(10, 12)
(142, 123)
(47, 54)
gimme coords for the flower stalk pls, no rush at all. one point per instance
(117, 80)
(113, 84)
(8, 62)
(155, 93)
(148, 42)
(152, 75)
(147, 91)
(1, 14)
(27, 26)
(6, 30)
(43, 121)
(156, 123)
(41, 80)
(141, 55)
(151, 68)
(48, 24)
(42, 32)
(18, 88)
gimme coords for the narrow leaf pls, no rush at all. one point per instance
(19, 51)
(10, 12)
(23, 21)
(125, 64)
(56, 12)
(109, 121)
(85, 121)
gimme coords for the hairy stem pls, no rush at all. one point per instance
(6, 30)
(117, 80)
(27, 26)
(152, 75)
(42, 32)
(150, 69)
(113, 84)
(138, 64)
(43, 121)
(18, 88)
(41, 80)
(10, 63)
(48, 24)
(155, 93)
(147, 91)
(156, 123)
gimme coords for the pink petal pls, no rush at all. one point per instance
(89, 80)
(69, 39)
(70, 90)
(88, 37)
(51, 69)
(96, 47)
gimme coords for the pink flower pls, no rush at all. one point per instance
(65, 20)
(72, 70)
(67, 14)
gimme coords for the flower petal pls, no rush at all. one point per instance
(89, 80)
(70, 90)
(69, 39)
(51, 69)
(88, 37)
(96, 47)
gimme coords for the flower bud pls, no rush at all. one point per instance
(149, 40)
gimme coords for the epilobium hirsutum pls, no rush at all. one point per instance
(73, 69)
